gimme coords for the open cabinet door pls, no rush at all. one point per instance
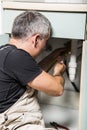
(83, 95)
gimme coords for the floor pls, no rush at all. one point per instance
(64, 116)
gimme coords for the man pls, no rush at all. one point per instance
(21, 76)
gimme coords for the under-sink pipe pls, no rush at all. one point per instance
(1, 18)
(73, 63)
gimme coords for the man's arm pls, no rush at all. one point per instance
(51, 85)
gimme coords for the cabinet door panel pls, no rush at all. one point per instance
(64, 25)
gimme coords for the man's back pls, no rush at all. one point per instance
(10, 90)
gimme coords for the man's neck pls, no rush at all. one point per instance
(21, 44)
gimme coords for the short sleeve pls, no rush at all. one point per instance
(21, 66)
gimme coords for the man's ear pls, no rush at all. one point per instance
(36, 40)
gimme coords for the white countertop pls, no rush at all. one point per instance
(45, 6)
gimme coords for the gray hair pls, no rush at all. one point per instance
(30, 23)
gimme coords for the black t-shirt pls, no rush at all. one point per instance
(17, 68)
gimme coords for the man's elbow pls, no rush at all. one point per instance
(59, 87)
(60, 93)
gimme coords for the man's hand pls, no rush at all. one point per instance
(59, 68)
